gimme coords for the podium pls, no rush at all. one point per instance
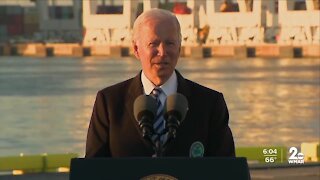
(159, 168)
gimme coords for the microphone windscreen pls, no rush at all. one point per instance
(178, 104)
(144, 104)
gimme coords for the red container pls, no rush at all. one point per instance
(181, 8)
(17, 19)
(14, 29)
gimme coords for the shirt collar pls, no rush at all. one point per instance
(169, 87)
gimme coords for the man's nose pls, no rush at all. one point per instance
(162, 51)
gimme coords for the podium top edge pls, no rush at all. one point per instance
(165, 158)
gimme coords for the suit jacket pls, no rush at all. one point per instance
(114, 132)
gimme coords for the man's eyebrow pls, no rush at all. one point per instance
(154, 41)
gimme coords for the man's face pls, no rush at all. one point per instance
(158, 48)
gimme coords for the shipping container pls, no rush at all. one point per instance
(3, 10)
(14, 10)
(31, 11)
(31, 19)
(30, 29)
(61, 12)
(67, 12)
(14, 29)
(51, 12)
(58, 12)
(3, 31)
(15, 19)
(3, 19)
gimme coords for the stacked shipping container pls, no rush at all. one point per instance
(12, 18)
(18, 21)
(3, 23)
(31, 21)
(61, 12)
(15, 17)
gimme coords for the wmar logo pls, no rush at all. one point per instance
(295, 157)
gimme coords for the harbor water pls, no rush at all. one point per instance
(46, 103)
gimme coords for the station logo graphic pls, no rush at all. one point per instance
(295, 156)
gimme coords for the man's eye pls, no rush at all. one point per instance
(153, 44)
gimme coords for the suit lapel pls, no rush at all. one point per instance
(135, 89)
(183, 87)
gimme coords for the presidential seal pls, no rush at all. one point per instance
(196, 149)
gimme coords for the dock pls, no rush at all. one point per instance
(196, 52)
(242, 29)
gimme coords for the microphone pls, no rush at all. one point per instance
(176, 109)
(145, 109)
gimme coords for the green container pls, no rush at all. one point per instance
(14, 10)
(3, 10)
(67, 12)
(3, 31)
(3, 34)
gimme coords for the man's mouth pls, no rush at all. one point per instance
(161, 64)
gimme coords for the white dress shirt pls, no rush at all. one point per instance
(168, 88)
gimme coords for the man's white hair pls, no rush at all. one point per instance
(153, 14)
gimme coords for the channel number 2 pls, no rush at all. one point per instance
(294, 153)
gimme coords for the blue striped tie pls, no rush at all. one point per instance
(158, 126)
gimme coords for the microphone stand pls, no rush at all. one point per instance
(159, 146)
(170, 130)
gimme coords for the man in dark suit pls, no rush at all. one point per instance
(113, 130)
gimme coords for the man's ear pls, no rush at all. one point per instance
(135, 49)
